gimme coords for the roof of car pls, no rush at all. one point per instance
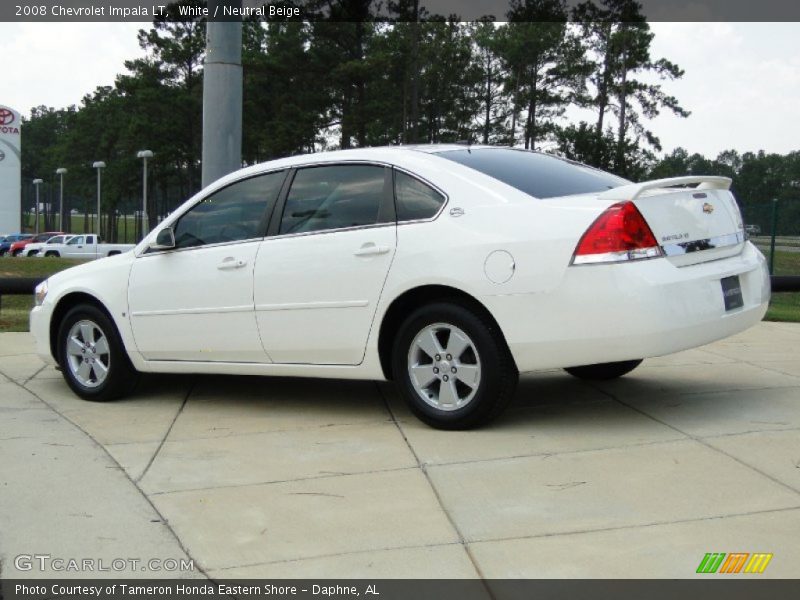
(436, 148)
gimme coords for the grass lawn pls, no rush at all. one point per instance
(14, 310)
(786, 305)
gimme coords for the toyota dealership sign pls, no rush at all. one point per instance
(10, 169)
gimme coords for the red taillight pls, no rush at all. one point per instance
(619, 234)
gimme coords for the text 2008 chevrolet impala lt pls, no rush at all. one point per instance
(448, 269)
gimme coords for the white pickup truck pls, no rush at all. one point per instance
(84, 246)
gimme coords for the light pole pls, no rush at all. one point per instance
(37, 183)
(61, 171)
(144, 155)
(98, 165)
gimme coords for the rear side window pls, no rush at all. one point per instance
(334, 197)
(540, 175)
(232, 214)
(415, 200)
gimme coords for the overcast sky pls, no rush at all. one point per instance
(742, 81)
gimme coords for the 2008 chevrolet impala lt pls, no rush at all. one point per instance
(448, 269)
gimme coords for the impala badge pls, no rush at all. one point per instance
(708, 208)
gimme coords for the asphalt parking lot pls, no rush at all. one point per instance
(257, 477)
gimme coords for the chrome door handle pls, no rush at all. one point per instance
(370, 249)
(231, 263)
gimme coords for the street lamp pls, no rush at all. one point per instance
(37, 183)
(98, 165)
(144, 155)
(61, 171)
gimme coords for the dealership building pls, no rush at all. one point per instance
(10, 170)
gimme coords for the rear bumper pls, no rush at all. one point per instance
(606, 313)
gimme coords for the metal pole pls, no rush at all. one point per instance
(98, 201)
(144, 155)
(61, 205)
(222, 96)
(36, 208)
(145, 224)
(772, 241)
(60, 172)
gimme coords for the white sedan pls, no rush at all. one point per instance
(448, 269)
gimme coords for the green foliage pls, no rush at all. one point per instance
(348, 77)
(619, 39)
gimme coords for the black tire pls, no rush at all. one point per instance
(121, 376)
(16, 253)
(32, 253)
(3, 252)
(498, 373)
(604, 371)
(52, 253)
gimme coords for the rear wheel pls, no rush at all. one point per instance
(16, 253)
(453, 367)
(91, 355)
(604, 371)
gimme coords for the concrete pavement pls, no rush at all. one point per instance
(271, 477)
(63, 497)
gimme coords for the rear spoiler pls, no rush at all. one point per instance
(634, 190)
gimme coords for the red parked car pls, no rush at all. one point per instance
(17, 247)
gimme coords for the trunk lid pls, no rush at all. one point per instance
(692, 224)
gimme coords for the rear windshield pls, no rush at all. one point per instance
(540, 175)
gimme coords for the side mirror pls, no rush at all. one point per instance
(165, 240)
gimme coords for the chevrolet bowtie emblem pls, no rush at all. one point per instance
(708, 208)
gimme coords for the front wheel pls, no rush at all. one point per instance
(91, 355)
(604, 371)
(453, 367)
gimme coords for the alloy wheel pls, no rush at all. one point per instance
(444, 366)
(88, 354)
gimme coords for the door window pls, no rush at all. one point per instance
(232, 214)
(78, 239)
(335, 197)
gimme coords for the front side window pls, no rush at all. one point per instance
(232, 214)
(334, 197)
(78, 239)
(415, 200)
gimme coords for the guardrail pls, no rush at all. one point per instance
(22, 286)
(18, 286)
(786, 283)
